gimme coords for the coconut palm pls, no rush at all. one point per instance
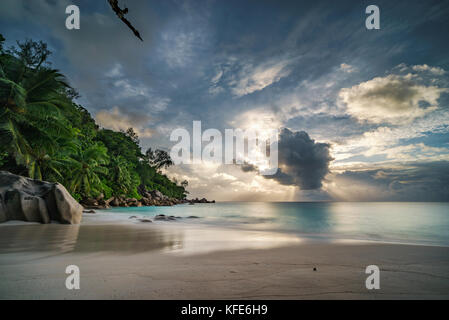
(31, 105)
(50, 163)
(120, 175)
(88, 165)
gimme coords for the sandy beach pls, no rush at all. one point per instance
(167, 261)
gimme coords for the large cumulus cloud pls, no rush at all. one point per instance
(394, 99)
(302, 161)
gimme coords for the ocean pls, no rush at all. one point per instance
(388, 222)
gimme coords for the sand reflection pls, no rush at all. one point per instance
(86, 238)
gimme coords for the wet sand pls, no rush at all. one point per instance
(151, 261)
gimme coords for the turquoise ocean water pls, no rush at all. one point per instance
(403, 222)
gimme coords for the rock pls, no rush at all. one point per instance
(148, 195)
(89, 211)
(132, 217)
(94, 204)
(36, 201)
(157, 194)
(196, 200)
(132, 202)
(193, 217)
(146, 202)
(163, 217)
(62, 207)
(314, 269)
(89, 202)
(141, 189)
(115, 202)
(145, 220)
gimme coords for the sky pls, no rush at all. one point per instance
(363, 115)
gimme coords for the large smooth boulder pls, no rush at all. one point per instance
(36, 201)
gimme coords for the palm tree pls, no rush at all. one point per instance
(159, 158)
(47, 164)
(120, 175)
(88, 165)
(31, 101)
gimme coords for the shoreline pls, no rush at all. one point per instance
(105, 218)
(164, 261)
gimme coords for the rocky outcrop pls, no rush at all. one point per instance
(203, 200)
(163, 217)
(97, 203)
(36, 201)
(148, 198)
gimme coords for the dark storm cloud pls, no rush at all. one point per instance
(302, 161)
(427, 181)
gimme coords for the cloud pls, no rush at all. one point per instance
(216, 78)
(115, 120)
(178, 47)
(255, 78)
(230, 183)
(115, 72)
(215, 87)
(435, 70)
(379, 141)
(347, 68)
(302, 161)
(393, 99)
(419, 181)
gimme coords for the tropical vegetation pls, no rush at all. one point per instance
(46, 135)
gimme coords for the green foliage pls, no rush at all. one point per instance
(3, 158)
(44, 134)
(88, 167)
(33, 54)
(159, 158)
(2, 39)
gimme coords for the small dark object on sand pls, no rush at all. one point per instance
(314, 268)
(132, 217)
